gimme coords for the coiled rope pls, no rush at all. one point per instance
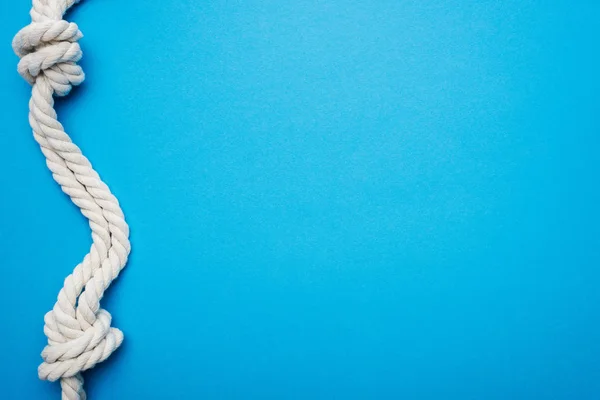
(78, 330)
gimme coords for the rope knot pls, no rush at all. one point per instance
(80, 351)
(49, 48)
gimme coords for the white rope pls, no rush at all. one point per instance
(78, 330)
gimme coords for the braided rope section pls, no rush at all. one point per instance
(78, 330)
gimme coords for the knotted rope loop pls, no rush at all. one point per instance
(94, 345)
(49, 48)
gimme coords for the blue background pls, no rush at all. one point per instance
(328, 199)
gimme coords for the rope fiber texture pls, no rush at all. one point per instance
(78, 330)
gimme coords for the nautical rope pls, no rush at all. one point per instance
(78, 330)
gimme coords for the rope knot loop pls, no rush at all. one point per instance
(71, 355)
(49, 48)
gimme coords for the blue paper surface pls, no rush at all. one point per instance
(328, 199)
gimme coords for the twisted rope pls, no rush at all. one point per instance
(78, 330)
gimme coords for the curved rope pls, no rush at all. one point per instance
(78, 330)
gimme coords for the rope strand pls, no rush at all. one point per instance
(78, 330)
